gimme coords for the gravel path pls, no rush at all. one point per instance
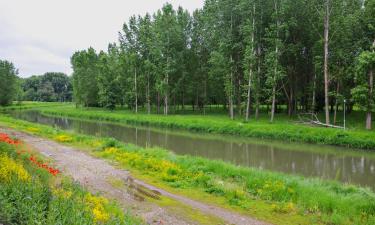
(95, 174)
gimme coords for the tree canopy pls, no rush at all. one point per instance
(49, 87)
(240, 54)
(8, 82)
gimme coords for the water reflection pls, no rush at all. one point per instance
(350, 166)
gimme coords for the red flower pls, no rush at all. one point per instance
(5, 138)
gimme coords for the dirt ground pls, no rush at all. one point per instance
(100, 176)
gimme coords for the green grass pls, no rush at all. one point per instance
(33, 196)
(270, 196)
(30, 105)
(284, 128)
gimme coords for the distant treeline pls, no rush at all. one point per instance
(307, 55)
(50, 87)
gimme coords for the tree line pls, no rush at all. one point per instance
(49, 87)
(307, 55)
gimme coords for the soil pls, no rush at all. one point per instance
(99, 176)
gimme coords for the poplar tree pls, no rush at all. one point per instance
(8, 84)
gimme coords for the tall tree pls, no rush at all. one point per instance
(275, 71)
(326, 43)
(85, 77)
(108, 78)
(363, 93)
(166, 31)
(250, 57)
(8, 77)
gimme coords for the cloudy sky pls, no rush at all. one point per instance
(41, 35)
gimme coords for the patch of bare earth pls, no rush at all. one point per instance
(99, 176)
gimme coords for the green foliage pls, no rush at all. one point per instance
(85, 76)
(174, 58)
(361, 93)
(108, 78)
(49, 87)
(8, 82)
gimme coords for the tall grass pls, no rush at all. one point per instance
(315, 200)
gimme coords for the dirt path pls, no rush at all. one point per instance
(96, 175)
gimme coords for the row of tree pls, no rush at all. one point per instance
(309, 55)
(50, 87)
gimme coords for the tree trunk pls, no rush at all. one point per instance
(238, 96)
(158, 104)
(174, 103)
(205, 96)
(183, 101)
(370, 97)
(231, 112)
(290, 102)
(273, 103)
(166, 104)
(258, 87)
(197, 99)
(275, 69)
(257, 109)
(135, 89)
(336, 103)
(148, 95)
(250, 69)
(326, 79)
(230, 100)
(313, 105)
(166, 95)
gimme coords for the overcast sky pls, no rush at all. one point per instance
(39, 36)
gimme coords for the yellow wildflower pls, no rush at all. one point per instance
(97, 143)
(111, 150)
(100, 215)
(32, 129)
(9, 167)
(63, 138)
(97, 205)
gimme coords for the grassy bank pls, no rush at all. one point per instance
(32, 192)
(274, 197)
(30, 105)
(284, 129)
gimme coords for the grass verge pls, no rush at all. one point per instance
(31, 192)
(270, 196)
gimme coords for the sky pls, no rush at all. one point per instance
(39, 36)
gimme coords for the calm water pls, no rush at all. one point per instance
(346, 165)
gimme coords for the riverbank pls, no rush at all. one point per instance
(273, 197)
(286, 130)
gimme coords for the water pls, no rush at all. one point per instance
(327, 162)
